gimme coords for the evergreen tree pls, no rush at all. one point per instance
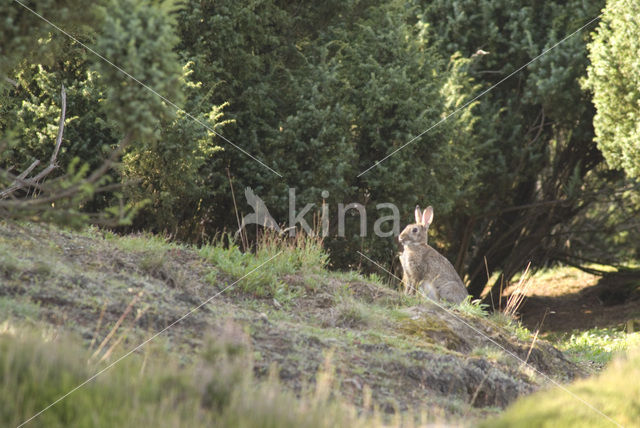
(539, 168)
(614, 78)
(322, 92)
(105, 106)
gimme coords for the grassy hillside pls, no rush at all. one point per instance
(350, 349)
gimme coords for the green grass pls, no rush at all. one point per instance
(490, 352)
(293, 308)
(9, 265)
(277, 257)
(18, 307)
(596, 346)
(613, 392)
(475, 308)
(353, 314)
(12, 268)
(35, 373)
(217, 390)
(138, 243)
(512, 325)
(497, 318)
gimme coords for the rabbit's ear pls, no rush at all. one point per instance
(418, 214)
(427, 216)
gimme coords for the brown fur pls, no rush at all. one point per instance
(424, 269)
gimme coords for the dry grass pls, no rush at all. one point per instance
(217, 390)
(518, 294)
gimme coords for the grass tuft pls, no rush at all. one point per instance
(475, 307)
(289, 256)
(18, 307)
(512, 325)
(596, 346)
(352, 314)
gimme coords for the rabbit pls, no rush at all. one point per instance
(424, 269)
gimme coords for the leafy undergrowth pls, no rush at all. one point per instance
(391, 356)
(609, 399)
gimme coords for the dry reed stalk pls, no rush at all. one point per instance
(519, 294)
(117, 325)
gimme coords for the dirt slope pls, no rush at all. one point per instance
(388, 351)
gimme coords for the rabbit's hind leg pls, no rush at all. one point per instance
(427, 289)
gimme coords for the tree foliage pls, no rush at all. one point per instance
(309, 96)
(322, 92)
(106, 105)
(540, 170)
(614, 78)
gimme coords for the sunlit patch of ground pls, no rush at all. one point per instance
(566, 299)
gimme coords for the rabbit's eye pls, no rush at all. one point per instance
(415, 230)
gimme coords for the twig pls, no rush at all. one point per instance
(54, 155)
(533, 342)
(535, 338)
(476, 392)
(486, 266)
(71, 191)
(11, 81)
(28, 170)
(517, 297)
(109, 351)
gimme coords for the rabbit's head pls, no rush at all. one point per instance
(416, 233)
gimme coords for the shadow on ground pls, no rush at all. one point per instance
(610, 301)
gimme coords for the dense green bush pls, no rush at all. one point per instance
(165, 152)
(614, 78)
(539, 170)
(322, 92)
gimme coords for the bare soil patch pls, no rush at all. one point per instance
(575, 300)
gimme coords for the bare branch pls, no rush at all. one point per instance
(63, 111)
(11, 81)
(21, 180)
(74, 189)
(28, 170)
